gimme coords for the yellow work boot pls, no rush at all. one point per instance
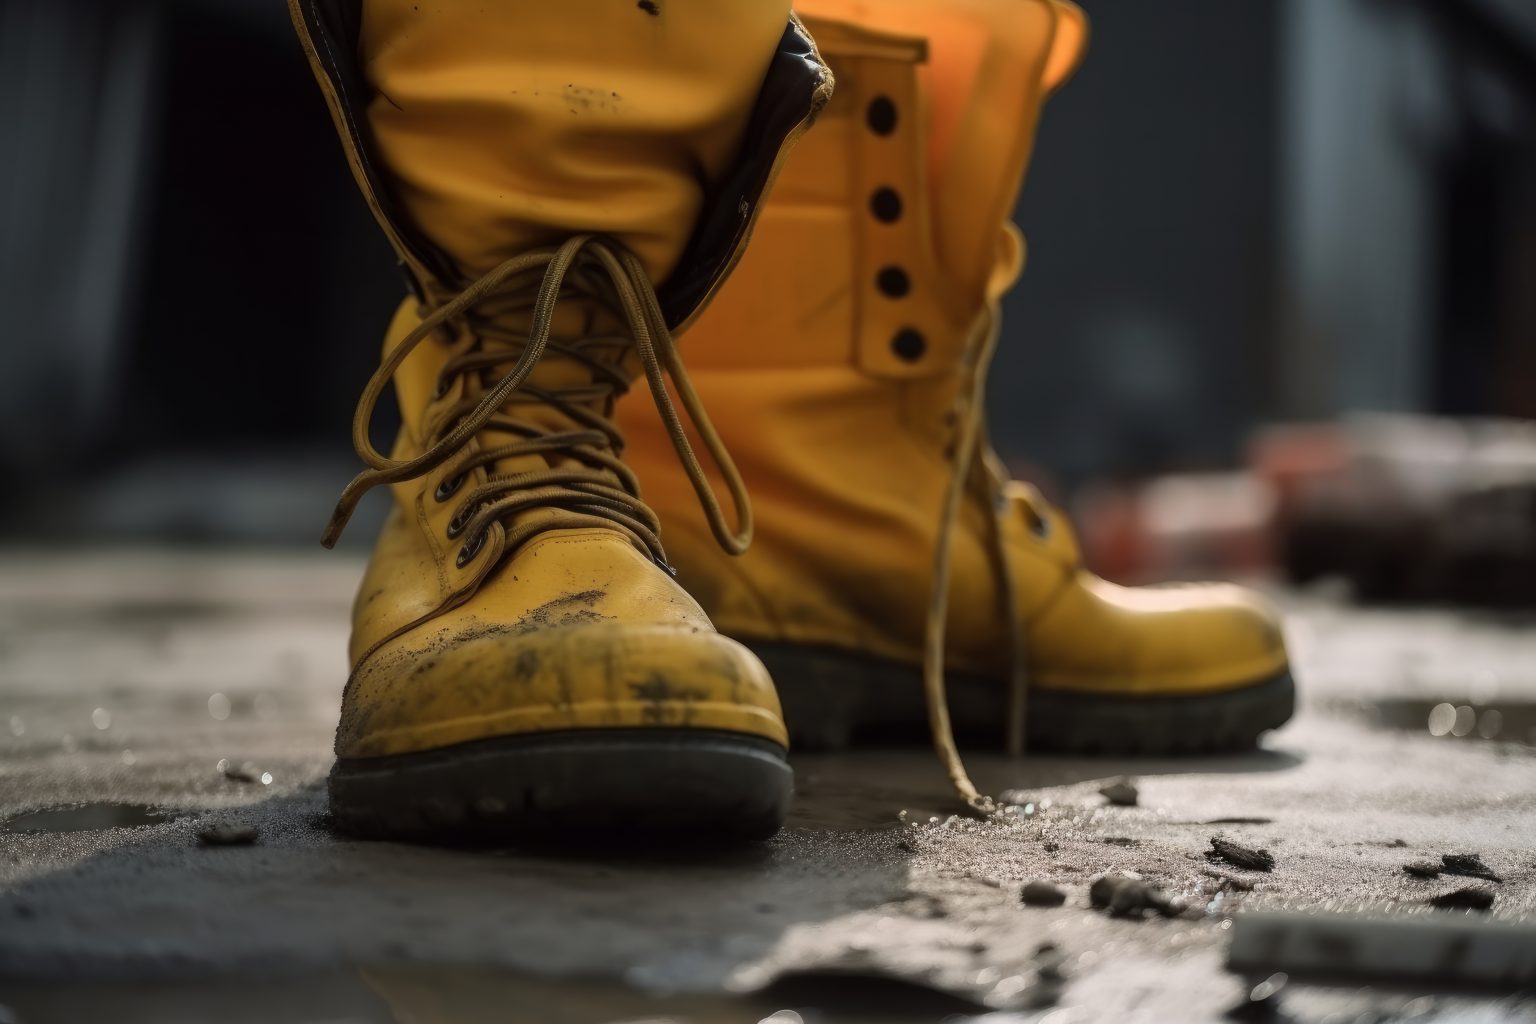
(522, 659)
(846, 360)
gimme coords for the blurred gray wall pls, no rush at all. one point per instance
(1238, 212)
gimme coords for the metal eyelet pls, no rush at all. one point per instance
(446, 488)
(442, 389)
(470, 549)
(458, 522)
(1040, 526)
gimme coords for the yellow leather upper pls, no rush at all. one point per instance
(506, 127)
(843, 426)
(491, 130)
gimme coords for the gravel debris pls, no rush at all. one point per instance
(1240, 856)
(1422, 869)
(1042, 894)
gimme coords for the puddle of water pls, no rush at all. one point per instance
(87, 818)
(1504, 722)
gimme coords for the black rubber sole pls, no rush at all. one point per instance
(647, 783)
(833, 700)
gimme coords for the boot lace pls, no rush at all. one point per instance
(976, 470)
(585, 479)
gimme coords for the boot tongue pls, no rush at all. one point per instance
(991, 67)
(555, 372)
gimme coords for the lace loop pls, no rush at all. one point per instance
(585, 494)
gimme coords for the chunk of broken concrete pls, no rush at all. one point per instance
(1120, 792)
(1042, 894)
(1240, 856)
(1469, 865)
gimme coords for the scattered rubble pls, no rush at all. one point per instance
(1472, 897)
(1042, 894)
(1422, 869)
(1127, 894)
(1120, 792)
(1240, 856)
(226, 834)
(1469, 865)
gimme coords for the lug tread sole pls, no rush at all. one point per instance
(656, 783)
(834, 699)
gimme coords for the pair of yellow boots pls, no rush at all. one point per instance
(567, 186)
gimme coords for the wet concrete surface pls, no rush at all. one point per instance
(204, 688)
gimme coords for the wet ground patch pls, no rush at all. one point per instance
(88, 817)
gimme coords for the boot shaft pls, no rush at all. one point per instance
(462, 164)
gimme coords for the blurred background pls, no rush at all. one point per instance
(1280, 309)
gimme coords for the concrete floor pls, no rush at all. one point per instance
(127, 677)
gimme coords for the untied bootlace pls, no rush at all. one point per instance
(973, 468)
(586, 265)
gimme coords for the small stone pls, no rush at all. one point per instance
(1240, 856)
(227, 834)
(1422, 869)
(1469, 865)
(1120, 792)
(1126, 894)
(237, 773)
(1227, 881)
(1042, 894)
(1473, 897)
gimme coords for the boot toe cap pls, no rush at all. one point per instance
(1151, 641)
(444, 684)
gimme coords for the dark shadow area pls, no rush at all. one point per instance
(302, 899)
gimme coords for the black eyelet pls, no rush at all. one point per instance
(893, 282)
(447, 487)
(442, 389)
(458, 522)
(470, 549)
(909, 345)
(885, 204)
(1040, 526)
(881, 115)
